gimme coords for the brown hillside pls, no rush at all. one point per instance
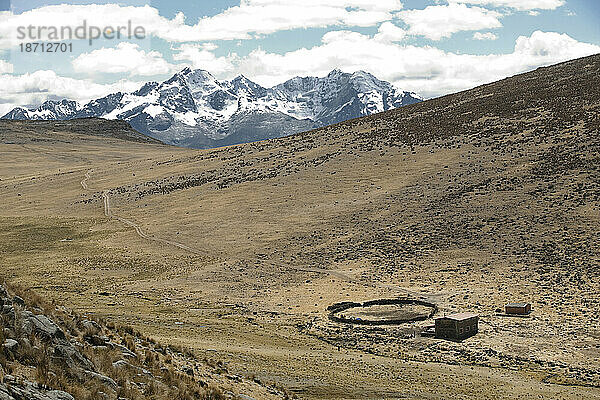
(470, 201)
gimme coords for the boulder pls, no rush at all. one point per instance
(105, 380)
(124, 350)
(90, 325)
(41, 325)
(96, 340)
(19, 301)
(69, 356)
(9, 310)
(11, 345)
(120, 364)
(59, 395)
(29, 391)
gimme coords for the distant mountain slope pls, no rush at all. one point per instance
(50, 110)
(194, 109)
(473, 200)
(88, 126)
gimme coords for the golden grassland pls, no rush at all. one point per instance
(466, 201)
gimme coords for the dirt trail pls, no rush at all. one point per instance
(340, 275)
(108, 212)
(84, 184)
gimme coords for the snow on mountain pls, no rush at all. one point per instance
(195, 109)
(50, 110)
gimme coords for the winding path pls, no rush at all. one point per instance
(84, 184)
(108, 212)
(340, 275)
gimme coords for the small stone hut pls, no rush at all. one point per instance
(457, 326)
(518, 309)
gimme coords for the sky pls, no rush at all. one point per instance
(431, 47)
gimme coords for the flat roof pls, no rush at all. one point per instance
(460, 316)
(517, 305)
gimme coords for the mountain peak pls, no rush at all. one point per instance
(196, 109)
(199, 73)
(54, 103)
(147, 88)
(200, 77)
(335, 72)
(244, 86)
(193, 76)
(363, 74)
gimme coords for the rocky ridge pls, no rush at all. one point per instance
(49, 353)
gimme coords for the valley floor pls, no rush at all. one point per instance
(470, 201)
(266, 317)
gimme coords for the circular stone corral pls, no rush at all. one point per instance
(382, 312)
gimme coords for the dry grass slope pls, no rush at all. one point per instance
(91, 359)
(470, 201)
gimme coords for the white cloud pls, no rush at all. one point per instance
(5, 108)
(73, 16)
(5, 67)
(202, 57)
(438, 22)
(521, 5)
(485, 36)
(250, 19)
(388, 32)
(268, 16)
(208, 46)
(425, 70)
(39, 86)
(125, 58)
(545, 47)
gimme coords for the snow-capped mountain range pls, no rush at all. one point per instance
(196, 110)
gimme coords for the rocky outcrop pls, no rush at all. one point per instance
(13, 390)
(49, 354)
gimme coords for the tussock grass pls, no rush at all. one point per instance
(146, 376)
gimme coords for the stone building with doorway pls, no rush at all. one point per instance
(457, 326)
